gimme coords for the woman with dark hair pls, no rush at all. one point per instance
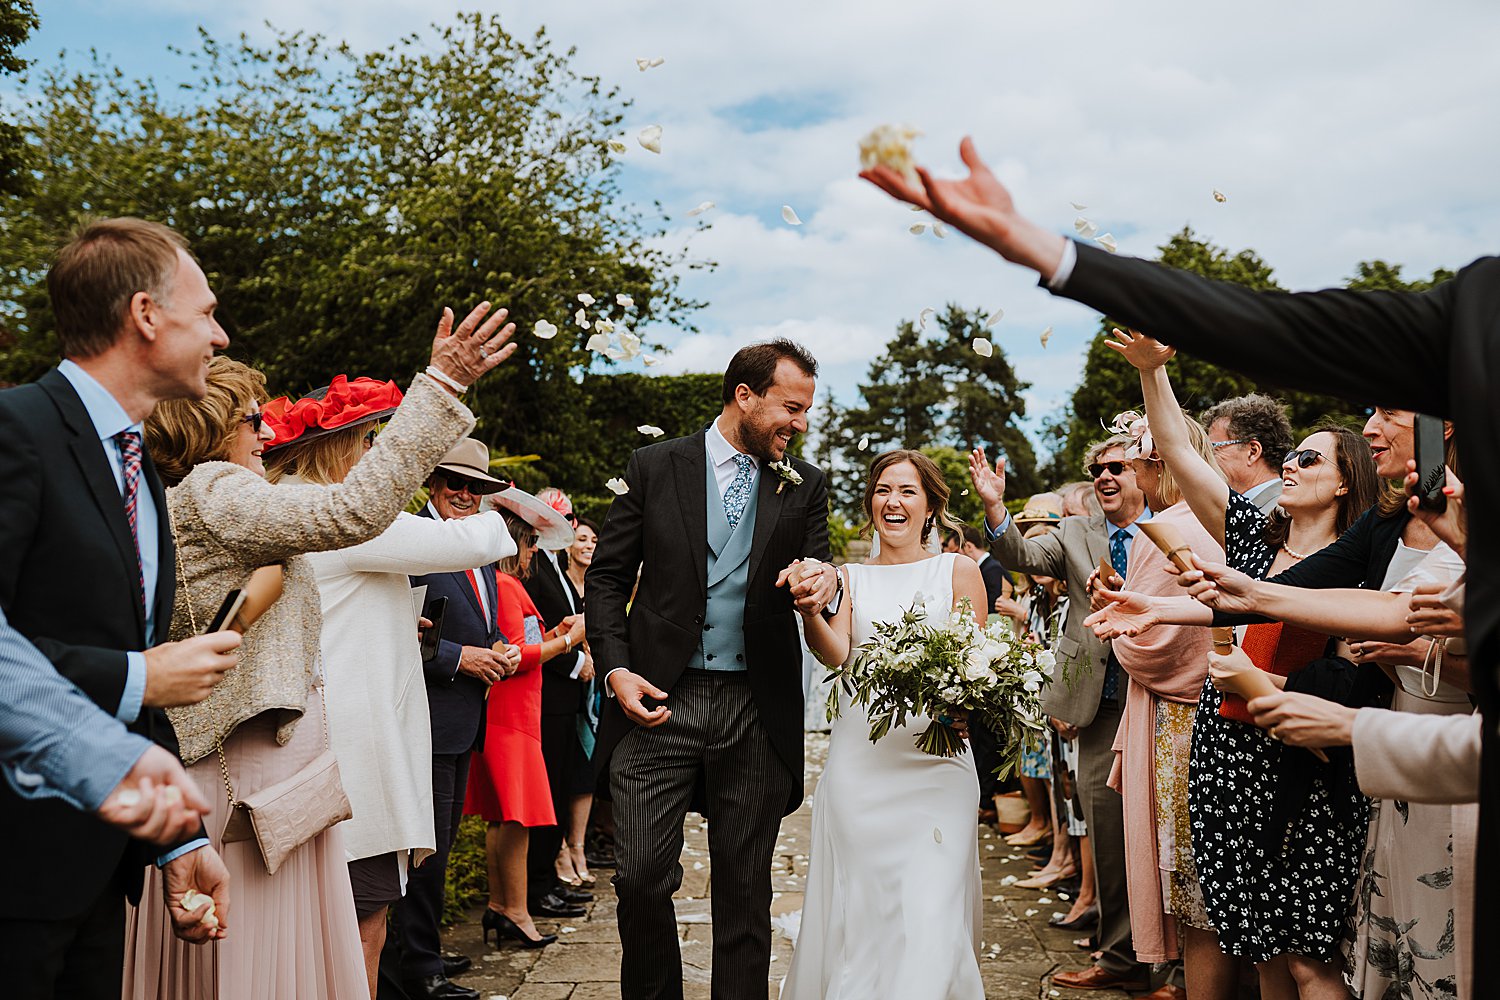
(892, 905)
(508, 779)
(573, 859)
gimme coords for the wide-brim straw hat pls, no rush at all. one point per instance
(471, 459)
(554, 533)
(337, 406)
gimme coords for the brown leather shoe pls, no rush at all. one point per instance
(1166, 993)
(1095, 978)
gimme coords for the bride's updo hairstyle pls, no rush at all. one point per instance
(933, 485)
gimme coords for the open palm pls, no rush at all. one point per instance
(978, 205)
(989, 483)
(1143, 353)
(1128, 613)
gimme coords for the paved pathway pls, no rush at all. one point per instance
(1020, 950)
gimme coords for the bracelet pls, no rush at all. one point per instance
(444, 379)
(567, 642)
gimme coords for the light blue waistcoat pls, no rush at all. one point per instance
(723, 637)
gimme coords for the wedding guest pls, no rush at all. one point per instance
(265, 722)
(591, 830)
(1279, 905)
(550, 875)
(86, 576)
(1078, 499)
(1086, 705)
(371, 658)
(1412, 349)
(1249, 434)
(976, 547)
(508, 784)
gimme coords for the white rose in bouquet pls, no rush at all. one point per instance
(977, 667)
(1031, 681)
(1046, 661)
(952, 695)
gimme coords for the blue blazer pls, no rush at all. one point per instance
(456, 701)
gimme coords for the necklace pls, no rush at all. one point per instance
(1292, 552)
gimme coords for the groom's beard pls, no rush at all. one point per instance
(760, 442)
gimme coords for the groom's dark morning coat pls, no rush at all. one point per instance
(661, 527)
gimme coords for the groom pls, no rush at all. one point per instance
(704, 669)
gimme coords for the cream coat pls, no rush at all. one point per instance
(372, 672)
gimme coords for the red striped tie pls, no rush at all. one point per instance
(130, 454)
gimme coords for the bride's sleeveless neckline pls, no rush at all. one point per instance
(914, 562)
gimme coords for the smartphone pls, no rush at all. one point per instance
(233, 601)
(1432, 475)
(430, 636)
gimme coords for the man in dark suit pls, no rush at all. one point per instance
(974, 546)
(1427, 351)
(563, 693)
(87, 574)
(467, 663)
(704, 673)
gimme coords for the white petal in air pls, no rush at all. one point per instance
(1077, 207)
(616, 146)
(937, 835)
(650, 360)
(544, 330)
(703, 206)
(993, 318)
(1107, 241)
(1084, 227)
(1219, 196)
(651, 430)
(585, 298)
(582, 319)
(630, 344)
(598, 342)
(924, 316)
(618, 487)
(939, 230)
(917, 228)
(1046, 336)
(864, 442)
(645, 64)
(790, 217)
(604, 326)
(624, 301)
(650, 138)
(983, 347)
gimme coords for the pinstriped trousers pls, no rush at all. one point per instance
(713, 741)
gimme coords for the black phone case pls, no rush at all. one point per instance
(433, 612)
(1430, 451)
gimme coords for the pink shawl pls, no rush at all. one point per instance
(1169, 662)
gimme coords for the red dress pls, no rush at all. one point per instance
(508, 778)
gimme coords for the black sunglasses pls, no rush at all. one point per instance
(1305, 459)
(478, 487)
(255, 420)
(1097, 469)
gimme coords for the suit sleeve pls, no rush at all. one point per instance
(443, 666)
(1385, 348)
(1042, 555)
(99, 673)
(815, 538)
(1417, 758)
(612, 575)
(417, 546)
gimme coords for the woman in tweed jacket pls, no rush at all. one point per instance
(294, 933)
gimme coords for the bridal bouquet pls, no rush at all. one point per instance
(913, 667)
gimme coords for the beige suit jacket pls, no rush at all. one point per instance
(1070, 553)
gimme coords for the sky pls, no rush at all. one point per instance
(1338, 131)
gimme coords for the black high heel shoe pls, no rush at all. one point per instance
(504, 927)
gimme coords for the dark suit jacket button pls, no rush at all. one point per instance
(740, 657)
(710, 656)
(698, 620)
(707, 627)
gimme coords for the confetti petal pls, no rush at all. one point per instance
(624, 301)
(129, 798)
(939, 230)
(703, 206)
(604, 326)
(993, 318)
(651, 360)
(789, 216)
(1107, 241)
(585, 298)
(864, 443)
(924, 316)
(544, 330)
(983, 347)
(616, 146)
(889, 146)
(937, 835)
(1046, 336)
(1084, 227)
(649, 63)
(598, 342)
(964, 493)
(917, 228)
(650, 138)
(630, 344)
(581, 317)
(618, 487)
(1219, 196)
(651, 430)
(1077, 207)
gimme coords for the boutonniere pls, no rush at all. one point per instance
(788, 474)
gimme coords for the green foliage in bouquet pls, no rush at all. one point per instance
(912, 668)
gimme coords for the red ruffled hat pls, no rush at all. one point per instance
(340, 404)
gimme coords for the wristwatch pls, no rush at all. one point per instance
(838, 596)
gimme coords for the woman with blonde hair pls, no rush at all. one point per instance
(295, 930)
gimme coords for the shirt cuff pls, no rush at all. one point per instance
(609, 692)
(577, 666)
(188, 848)
(135, 688)
(1064, 267)
(995, 533)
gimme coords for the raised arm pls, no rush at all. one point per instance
(416, 546)
(1202, 484)
(1043, 556)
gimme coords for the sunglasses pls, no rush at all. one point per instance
(478, 487)
(255, 420)
(1305, 459)
(1098, 468)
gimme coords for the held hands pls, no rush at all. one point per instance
(489, 666)
(155, 801)
(201, 871)
(1452, 524)
(1143, 353)
(470, 351)
(183, 673)
(511, 655)
(1304, 720)
(630, 688)
(1430, 616)
(812, 583)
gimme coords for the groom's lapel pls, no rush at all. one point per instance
(689, 467)
(768, 512)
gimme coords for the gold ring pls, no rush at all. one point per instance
(1275, 735)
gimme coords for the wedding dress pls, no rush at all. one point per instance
(892, 905)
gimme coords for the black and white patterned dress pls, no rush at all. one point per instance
(1293, 897)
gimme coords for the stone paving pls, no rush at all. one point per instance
(1020, 950)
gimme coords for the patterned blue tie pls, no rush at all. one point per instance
(738, 494)
(1119, 559)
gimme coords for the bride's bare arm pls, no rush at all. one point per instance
(968, 584)
(828, 638)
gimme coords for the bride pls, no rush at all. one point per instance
(892, 906)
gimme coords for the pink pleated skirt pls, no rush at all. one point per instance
(292, 934)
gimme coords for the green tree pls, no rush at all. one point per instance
(17, 21)
(338, 200)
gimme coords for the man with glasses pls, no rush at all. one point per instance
(1249, 434)
(472, 655)
(1088, 688)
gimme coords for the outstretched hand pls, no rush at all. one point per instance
(978, 206)
(468, 352)
(1218, 586)
(989, 484)
(1143, 353)
(1126, 613)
